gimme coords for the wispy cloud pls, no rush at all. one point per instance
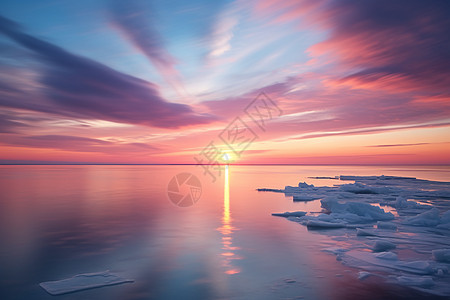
(76, 143)
(78, 87)
(398, 145)
(223, 33)
(401, 46)
(134, 19)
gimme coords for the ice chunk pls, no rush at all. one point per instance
(444, 226)
(291, 189)
(402, 203)
(305, 185)
(335, 250)
(419, 267)
(428, 218)
(364, 210)
(365, 232)
(363, 275)
(83, 282)
(386, 225)
(418, 281)
(290, 214)
(381, 246)
(445, 218)
(270, 190)
(386, 255)
(323, 224)
(361, 258)
(357, 188)
(441, 255)
(305, 197)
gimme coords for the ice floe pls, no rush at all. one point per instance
(397, 228)
(381, 246)
(386, 225)
(427, 218)
(290, 214)
(442, 255)
(422, 281)
(83, 282)
(363, 275)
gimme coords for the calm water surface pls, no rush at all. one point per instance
(59, 221)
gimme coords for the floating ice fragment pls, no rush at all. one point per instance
(441, 255)
(362, 259)
(270, 190)
(419, 267)
(444, 226)
(428, 218)
(290, 214)
(291, 189)
(366, 211)
(402, 203)
(363, 275)
(445, 218)
(386, 225)
(381, 246)
(357, 188)
(386, 255)
(365, 232)
(335, 250)
(305, 197)
(324, 224)
(418, 281)
(305, 185)
(83, 282)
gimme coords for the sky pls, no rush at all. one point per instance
(251, 82)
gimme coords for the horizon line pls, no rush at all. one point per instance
(192, 164)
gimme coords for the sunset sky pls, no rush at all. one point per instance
(98, 81)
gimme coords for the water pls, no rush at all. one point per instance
(59, 221)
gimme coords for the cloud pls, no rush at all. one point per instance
(223, 33)
(9, 124)
(398, 145)
(78, 87)
(133, 19)
(76, 143)
(400, 46)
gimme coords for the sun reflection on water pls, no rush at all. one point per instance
(227, 230)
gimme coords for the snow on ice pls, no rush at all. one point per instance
(83, 282)
(396, 227)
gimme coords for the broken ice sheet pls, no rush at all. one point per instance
(382, 213)
(83, 282)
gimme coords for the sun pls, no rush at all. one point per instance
(227, 158)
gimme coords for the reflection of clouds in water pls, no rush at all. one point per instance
(226, 230)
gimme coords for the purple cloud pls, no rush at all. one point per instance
(76, 143)
(400, 46)
(397, 145)
(78, 87)
(9, 124)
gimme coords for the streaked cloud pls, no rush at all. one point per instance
(134, 20)
(398, 145)
(358, 81)
(78, 87)
(77, 143)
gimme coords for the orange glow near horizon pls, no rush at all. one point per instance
(331, 95)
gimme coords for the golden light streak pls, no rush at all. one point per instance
(227, 230)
